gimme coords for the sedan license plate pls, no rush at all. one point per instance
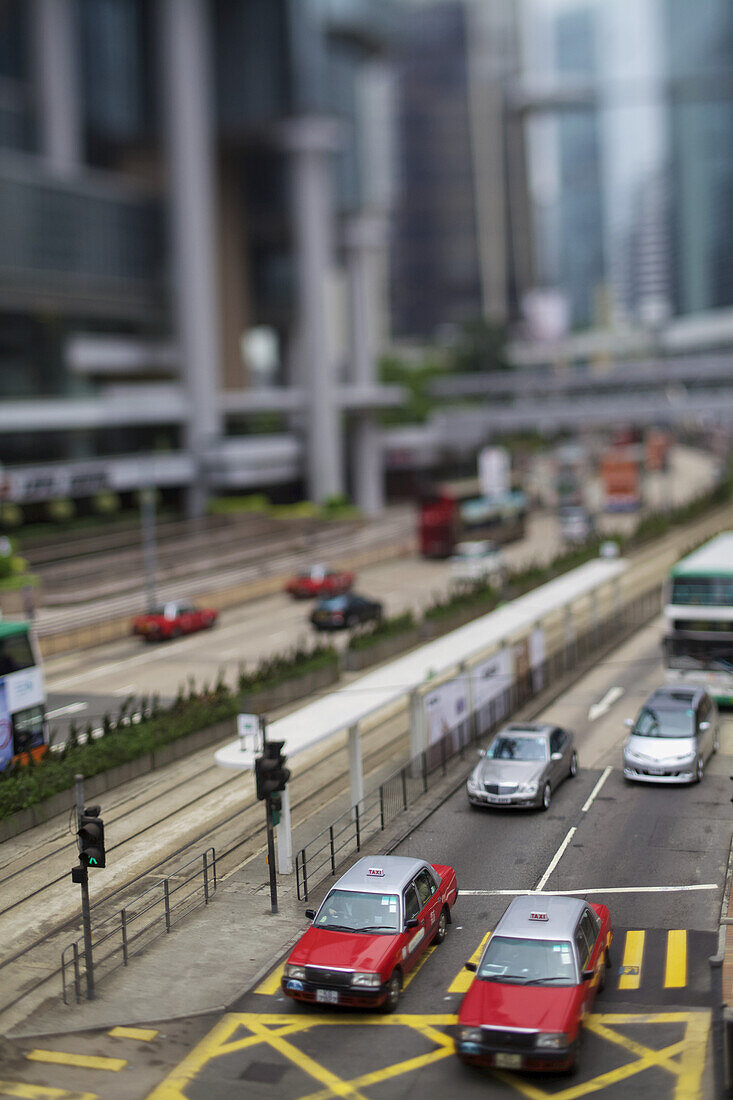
(502, 798)
(508, 1061)
(327, 996)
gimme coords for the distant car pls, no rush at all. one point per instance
(173, 619)
(372, 928)
(339, 612)
(522, 766)
(535, 984)
(478, 560)
(576, 523)
(676, 731)
(319, 580)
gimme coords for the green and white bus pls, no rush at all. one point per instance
(22, 698)
(698, 612)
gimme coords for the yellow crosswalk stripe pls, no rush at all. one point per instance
(463, 978)
(631, 962)
(21, 1090)
(675, 972)
(142, 1034)
(84, 1061)
(271, 984)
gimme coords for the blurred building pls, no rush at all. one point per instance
(193, 201)
(460, 227)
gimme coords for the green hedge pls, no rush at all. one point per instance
(123, 740)
(367, 636)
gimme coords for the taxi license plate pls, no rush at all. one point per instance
(499, 798)
(327, 996)
(508, 1061)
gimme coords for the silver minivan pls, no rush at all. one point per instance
(676, 731)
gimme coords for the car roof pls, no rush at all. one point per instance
(398, 871)
(562, 915)
(527, 727)
(676, 698)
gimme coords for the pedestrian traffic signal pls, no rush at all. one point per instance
(91, 838)
(271, 775)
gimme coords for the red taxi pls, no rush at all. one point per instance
(535, 985)
(172, 620)
(319, 580)
(370, 931)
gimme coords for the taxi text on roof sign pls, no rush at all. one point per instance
(538, 916)
(377, 872)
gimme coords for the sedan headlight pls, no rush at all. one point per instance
(553, 1040)
(371, 981)
(470, 1035)
(297, 972)
(473, 783)
(527, 788)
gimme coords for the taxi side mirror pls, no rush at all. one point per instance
(588, 975)
(471, 966)
(412, 922)
(310, 914)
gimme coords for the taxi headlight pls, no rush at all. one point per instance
(297, 972)
(372, 981)
(527, 788)
(470, 1035)
(553, 1040)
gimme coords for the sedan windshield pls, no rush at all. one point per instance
(357, 911)
(522, 747)
(659, 722)
(528, 962)
(335, 603)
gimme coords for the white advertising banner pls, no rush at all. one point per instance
(6, 730)
(24, 689)
(445, 708)
(494, 471)
(491, 678)
(537, 657)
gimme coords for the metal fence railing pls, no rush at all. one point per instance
(144, 918)
(347, 834)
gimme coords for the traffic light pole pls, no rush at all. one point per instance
(83, 879)
(270, 828)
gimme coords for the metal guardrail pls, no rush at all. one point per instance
(347, 833)
(157, 908)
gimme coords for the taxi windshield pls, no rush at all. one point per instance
(522, 747)
(528, 962)
(359, 911)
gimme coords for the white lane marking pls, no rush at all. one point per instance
(605, 704)
(128, 689)
(555, 860)
(589, 800)
(70, 708)
(592, 890)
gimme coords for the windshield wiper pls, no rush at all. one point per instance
(375, 928)
(519, 978)
(337, 928)
(554, 978)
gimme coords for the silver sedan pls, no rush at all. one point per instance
(522, 766)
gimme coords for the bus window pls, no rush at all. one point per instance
(15, 654)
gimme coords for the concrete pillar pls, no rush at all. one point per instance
(311, 142)
(285, 837)
(55, 52)
(418, 725)
(356, 774)
(188, 114)
(364, 238)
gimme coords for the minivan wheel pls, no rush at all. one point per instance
(546, 797)
(700, 770)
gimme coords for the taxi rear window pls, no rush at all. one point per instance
(519, 961)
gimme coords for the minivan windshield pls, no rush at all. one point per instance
(665, 722)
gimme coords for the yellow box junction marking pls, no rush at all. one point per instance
(631, 962)
(416, 969)
(675, 973)
(684, 1059)
(83, 1061)
(24, 1091)
(142, 1034)
(271, 984)
(463, 978)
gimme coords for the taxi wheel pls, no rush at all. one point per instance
(442, 929)
(394, 988)
(546, 797)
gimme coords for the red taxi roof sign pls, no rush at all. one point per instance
(375, 872)
(536, 915)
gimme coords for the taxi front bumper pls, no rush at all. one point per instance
(496, 1056)
(346, 996)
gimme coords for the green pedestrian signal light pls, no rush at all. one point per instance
(91, 838)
